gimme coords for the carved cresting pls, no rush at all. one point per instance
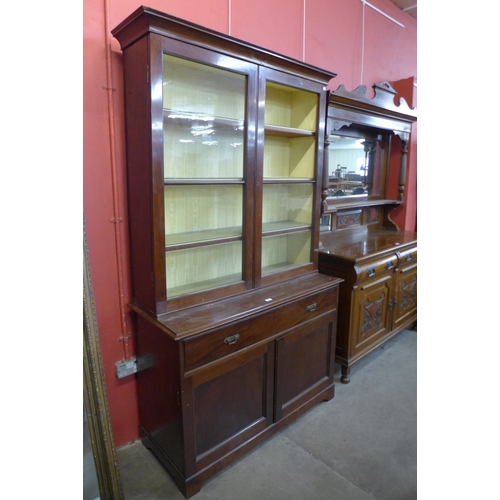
(384, 95)
(372, 314)
(408, 294)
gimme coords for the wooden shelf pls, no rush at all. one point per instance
(195, 238)
(276, 268)
(288, 180)
(289, 132)
(174, 116)
(204, 285)
(286, 226)
(201, 182)
(356, 203)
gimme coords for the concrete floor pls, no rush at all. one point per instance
(361, 445)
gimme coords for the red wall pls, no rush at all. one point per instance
(326, 33)
(405, 216)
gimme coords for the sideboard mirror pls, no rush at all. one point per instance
(359, 131)
(356, 162)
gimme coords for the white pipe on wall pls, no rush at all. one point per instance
(364, 2)
(362, 47)
(304, 32)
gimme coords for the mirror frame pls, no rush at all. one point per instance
(94, 393)
(378, 113)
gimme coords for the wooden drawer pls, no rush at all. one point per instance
(216, 344)
(407, 256)
(377, 268)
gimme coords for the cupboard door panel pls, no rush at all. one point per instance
(230, 403)
(405, 306)
(372, 313)
(304, 364)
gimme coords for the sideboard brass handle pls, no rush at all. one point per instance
(312, 307)
(389, 265)
(408, 257)
(370, 272)
(232, 339)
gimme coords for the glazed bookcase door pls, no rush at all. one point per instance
(206, 149)
(287, 172)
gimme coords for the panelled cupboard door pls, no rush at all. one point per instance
(304, 363)
(405, 301)
(226, 404)
(372, 313)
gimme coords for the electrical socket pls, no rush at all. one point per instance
(126, 368)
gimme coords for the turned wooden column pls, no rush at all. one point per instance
(369, 147)
(402, 168)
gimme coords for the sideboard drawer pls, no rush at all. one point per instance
(407, 256)
(377, 268)
(215, 344)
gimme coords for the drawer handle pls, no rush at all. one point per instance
(408, 257)
(389, 265)
(370, 272)
(311, 308)
(232, 339)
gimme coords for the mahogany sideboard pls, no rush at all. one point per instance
(367, 140)
(378, 297)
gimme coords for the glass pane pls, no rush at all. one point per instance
(202, 90)
(285, 251)
(195, 269)
(290, 107)
(204, 142)
(202, 213)
(354, 166)
(202, 149)
(286, 157)
(204, 113)
(287, 206)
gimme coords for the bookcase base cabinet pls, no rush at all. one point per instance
(378, 297)
(216, 380)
